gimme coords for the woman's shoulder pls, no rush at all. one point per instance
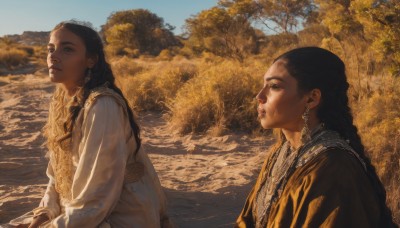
(338, 158)
(103, 94)
(333, 166)
(334, 184)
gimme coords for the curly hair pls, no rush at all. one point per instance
(315, 67)
(63, 112)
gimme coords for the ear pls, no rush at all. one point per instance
(91, 61)
(314, 98)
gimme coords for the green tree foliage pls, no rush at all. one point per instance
(345, 34)
(246, 8)
(138, 31)
(217, 31)
(337, 16)
(381, 22)
(356, 24)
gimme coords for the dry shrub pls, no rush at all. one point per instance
(39, 57)
(378, 121)
(115, 51)
(13, 57)
(133, 53)
(179, 58)
(125, 67)
(112, 51)
(165, 55)
(312, 35)
(187, 52)
(278, 44)
(149, 90)
(30, 51)
(221, 96)
(209, 57)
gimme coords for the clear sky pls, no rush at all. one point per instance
(17, 16)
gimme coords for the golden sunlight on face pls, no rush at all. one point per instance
(66, 58)
(279, 103)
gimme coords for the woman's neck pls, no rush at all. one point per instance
(294, 137)
(70, 90)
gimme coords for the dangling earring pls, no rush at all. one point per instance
(305, 132)
(88, 75)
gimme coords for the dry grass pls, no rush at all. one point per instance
(220, 97)
(151, 87)
(13, 57)
(126, 67)
(377, 116)
(16, 56)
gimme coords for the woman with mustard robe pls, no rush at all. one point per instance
(317, 174)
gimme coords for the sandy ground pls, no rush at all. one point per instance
(205, 178)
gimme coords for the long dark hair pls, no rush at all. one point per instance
(315, 67)
(101, 73)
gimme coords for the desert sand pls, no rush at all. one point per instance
(206, 178)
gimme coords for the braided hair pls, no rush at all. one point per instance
(315, 67)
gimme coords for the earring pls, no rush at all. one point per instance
(305, 132)
(88, 75)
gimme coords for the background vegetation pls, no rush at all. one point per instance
(15, 57)
(205, 80)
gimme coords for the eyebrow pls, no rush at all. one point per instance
(274, 77)
(62, 43)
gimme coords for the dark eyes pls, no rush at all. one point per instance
(65, 49)
(273, 86)
(68, 49)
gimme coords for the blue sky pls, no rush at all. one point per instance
(17, 16)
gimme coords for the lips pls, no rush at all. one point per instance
(261, 111)
(55, 68)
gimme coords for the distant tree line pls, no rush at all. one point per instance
(237, 29)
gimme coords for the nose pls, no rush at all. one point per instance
(52, 60)
(53, 57)
(261, 96)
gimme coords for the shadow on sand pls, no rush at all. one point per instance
(204, 209)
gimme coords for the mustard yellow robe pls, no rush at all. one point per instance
(331, 190)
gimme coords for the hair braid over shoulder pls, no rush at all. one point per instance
(315, 67)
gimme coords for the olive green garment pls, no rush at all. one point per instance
(331, 190)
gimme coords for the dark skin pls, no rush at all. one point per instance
(281, 105)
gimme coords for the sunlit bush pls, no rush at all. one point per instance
(378, 121)
(221, 95)
(165, 55)
(151, 89)
(125, 67)
(13, 57)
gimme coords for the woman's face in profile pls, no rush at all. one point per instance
(66, 58)
(280, 105)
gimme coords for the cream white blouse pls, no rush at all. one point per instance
(103, 195)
